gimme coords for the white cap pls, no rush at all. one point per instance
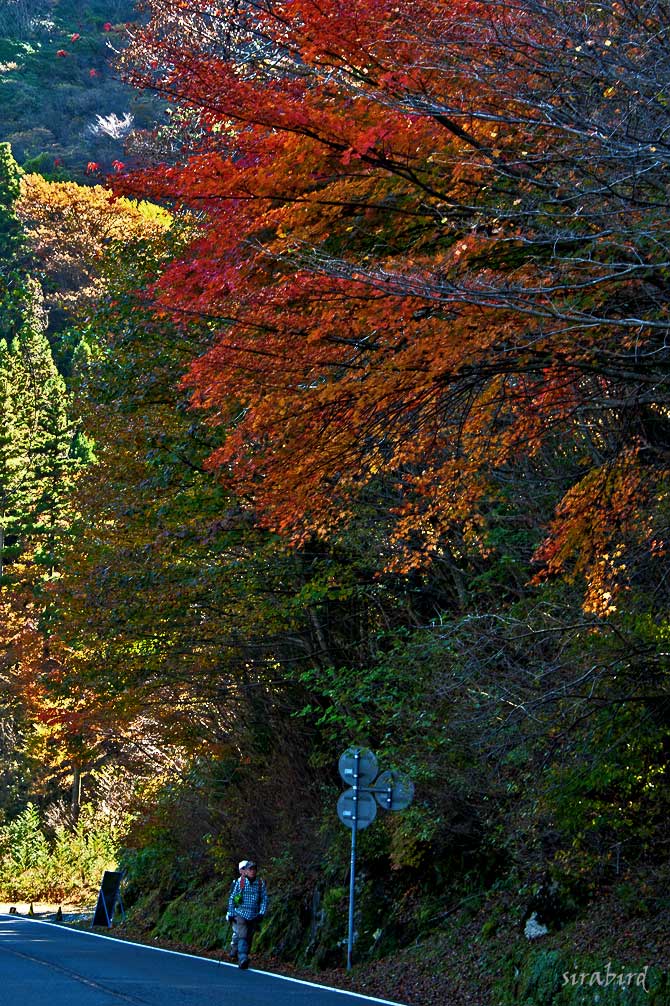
(243, 865)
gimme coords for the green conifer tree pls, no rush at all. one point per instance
(54, 462)
(11, 231)
(12, 246)
(34, 365)
(13, 465)
(40, 440)
(54, 448)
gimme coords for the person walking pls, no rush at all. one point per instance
(247, 905)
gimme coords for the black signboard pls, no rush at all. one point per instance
(108, 898)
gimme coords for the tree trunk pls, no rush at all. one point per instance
(75, 805)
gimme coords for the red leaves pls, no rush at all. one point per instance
(314, 354)
(366, 141)
(382, 222)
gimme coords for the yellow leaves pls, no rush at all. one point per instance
(157, 218)
(70, 226)
(93, 209)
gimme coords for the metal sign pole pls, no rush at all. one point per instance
(352, 868)
(357, 806)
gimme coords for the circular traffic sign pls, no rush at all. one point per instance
(393, 790)
(366, 764)
(356, 810)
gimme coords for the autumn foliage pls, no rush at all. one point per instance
(431, 246)
(60, 231)
(70, 228)
(377, 382)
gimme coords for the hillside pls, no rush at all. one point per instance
(62, 104)
(480, 957)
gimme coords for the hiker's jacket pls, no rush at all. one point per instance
(248, 898)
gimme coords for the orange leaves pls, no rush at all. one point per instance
(595, 523)
(414, 279)
(31, 670)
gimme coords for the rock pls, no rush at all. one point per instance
(534, 929)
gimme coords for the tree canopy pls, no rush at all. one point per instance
(429, 238)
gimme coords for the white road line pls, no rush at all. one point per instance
(210, 960)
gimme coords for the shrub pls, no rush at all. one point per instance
(67, 865)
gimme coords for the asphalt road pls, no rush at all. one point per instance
(43, 962)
